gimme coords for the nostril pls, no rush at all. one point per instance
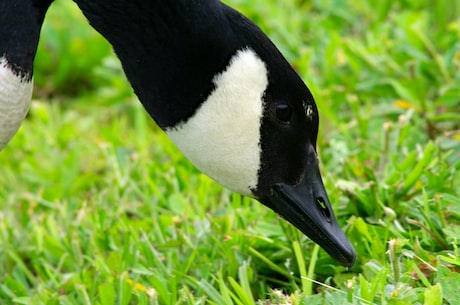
(323, 208)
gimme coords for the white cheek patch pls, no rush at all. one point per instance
(15, 96)
(222, 139)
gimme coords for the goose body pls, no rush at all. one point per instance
(20, 24)
(215, 84)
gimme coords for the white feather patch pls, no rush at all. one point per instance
(15, 96)
(222, 139)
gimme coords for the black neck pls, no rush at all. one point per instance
(20, 24)
(170, 49)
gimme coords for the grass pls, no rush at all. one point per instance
(98, 207)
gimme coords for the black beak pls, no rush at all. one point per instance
(307, 207)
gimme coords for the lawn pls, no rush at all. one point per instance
(97, 206)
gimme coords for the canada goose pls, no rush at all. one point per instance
(216, 85)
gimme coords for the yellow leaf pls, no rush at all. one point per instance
(402, 104)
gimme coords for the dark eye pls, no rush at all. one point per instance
(283, 112)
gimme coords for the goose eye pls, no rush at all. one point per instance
(283, 112)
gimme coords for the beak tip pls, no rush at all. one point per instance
(340, 249)
(349, 259)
